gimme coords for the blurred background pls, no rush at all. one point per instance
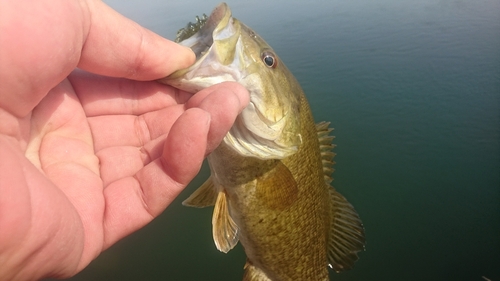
(412, 89)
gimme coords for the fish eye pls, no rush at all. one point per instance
(269, 59)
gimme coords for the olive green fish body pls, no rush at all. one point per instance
(282, 207)
(270, 177)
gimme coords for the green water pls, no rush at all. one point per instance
(413, 91)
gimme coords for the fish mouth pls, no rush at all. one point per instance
(214, 42)
(225, 51)
(199, 35)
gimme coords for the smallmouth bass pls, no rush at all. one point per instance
(270, 176)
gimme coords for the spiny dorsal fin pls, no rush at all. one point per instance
(204, 196)
(347, 235)
(326, 146)
(252, 273)
(224, 229)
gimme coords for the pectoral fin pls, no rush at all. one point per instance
(204, 196)
(277, 189)
(347, 235)
(224, 229)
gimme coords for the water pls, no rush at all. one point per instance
(413, 91)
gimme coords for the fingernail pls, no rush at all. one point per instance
(187, 49)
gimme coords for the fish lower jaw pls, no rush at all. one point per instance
(198, 83)
(206, 77)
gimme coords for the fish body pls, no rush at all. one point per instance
(270, 176)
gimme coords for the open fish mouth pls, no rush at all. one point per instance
(191, 28)
(199, 35)
(215, 61)
(227, 50)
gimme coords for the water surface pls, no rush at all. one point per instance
(413, 91)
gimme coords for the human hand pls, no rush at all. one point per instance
(87, 159)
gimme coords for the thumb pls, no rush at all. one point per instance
(117, 46)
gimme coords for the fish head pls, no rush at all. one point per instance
(228, 50)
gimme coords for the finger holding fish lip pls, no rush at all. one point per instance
(230, 88)
(112, 132)
(221, 102)
(224, 101)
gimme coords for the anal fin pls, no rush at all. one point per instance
(224, 229)
(347, 235)
(252, 273)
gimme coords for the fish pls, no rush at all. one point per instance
(270, 178)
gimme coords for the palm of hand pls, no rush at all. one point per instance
(99, 164)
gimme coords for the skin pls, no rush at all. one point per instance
(90, 155)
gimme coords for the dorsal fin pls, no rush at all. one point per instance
(326, 146)
(204, 196)
(347, 235)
